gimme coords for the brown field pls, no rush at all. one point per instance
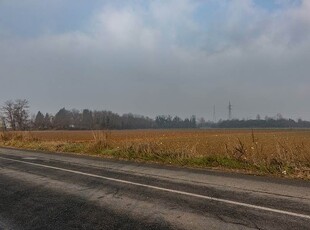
(277, 152)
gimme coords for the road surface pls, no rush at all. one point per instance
(64, 191)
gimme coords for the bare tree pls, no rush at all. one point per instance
(16, 113)
(8, 113)
(21, 113)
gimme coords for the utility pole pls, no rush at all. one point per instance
(229, 111)
(214, 116)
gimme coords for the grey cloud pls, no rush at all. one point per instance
(126, 64)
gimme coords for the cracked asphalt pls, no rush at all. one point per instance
(63, 191)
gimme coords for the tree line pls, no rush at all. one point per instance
(15, 115)
(257, 123)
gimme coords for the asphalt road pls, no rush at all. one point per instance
(63, 191)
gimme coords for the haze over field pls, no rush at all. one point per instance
(177, 57)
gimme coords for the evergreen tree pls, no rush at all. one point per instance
(39, 122)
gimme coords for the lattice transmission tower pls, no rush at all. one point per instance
(229, 111)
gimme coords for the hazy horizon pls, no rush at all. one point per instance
(177, 57)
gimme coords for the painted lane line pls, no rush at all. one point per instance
(166, 189)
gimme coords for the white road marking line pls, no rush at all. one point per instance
(29, 158)
(166, 189)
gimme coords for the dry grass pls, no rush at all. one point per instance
(276, 152)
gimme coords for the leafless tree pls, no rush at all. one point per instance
(8, 113)
(16, 113)
(21, 113)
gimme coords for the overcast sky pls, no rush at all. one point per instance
(177, 57)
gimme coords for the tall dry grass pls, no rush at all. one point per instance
(280, 152)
